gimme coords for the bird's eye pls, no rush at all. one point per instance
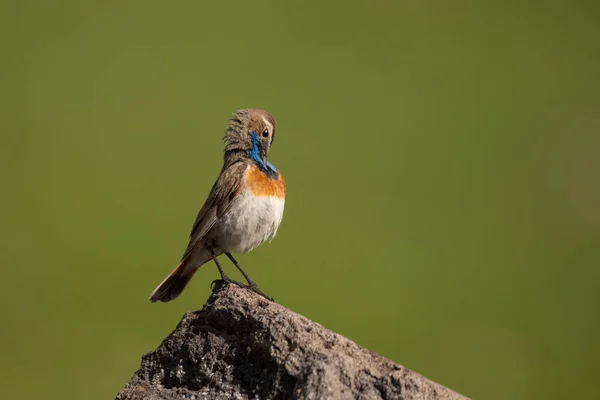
(265, 133)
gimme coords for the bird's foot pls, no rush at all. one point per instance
(256, 290)
(253, 287)
(217, 282)
(226, 281)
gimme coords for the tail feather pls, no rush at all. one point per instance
(173, 284)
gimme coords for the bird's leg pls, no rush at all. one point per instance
(224, 276)
(251, 284)
(248, 279)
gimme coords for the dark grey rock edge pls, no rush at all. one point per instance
(241, 346)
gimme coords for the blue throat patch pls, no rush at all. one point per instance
(254, 154)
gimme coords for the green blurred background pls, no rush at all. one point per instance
(442, 161)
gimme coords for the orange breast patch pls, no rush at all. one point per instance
(261, 185)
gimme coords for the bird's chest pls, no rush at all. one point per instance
(255, 214)
(250, 221)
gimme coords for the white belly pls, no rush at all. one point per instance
(250, 221)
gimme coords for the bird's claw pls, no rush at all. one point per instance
(252, 286)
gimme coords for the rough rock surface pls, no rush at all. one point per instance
(242, 346)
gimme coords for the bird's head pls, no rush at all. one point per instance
(251, 131)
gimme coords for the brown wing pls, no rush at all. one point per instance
(223, 193)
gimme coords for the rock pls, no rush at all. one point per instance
(242, 346)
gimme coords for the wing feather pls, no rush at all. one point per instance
(225, 190)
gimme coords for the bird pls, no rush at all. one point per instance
(243, 210)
